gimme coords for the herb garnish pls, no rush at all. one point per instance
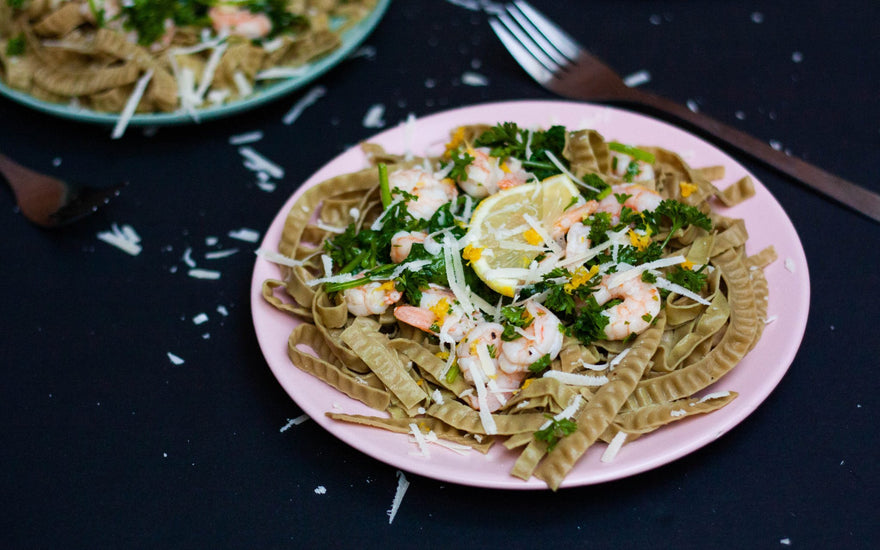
(557, 429)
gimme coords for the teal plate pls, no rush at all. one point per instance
(351, 39)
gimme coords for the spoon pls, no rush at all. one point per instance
(50, 202)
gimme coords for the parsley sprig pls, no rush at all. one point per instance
(555, 431)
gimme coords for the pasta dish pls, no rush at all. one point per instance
(540, 289)
(161, 56)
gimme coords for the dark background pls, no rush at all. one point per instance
(106, 443)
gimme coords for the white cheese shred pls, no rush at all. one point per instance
(614, 447)
(208, 274)
(568, 172)
(244, 234)
(258, 163)
(124, 238)
(294, 422)
(572, 379)
(420, 439)
(402, 486)
(307, 100)
(276, 258)
(131, 105)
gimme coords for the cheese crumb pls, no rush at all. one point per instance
(175, 359)
(204, 274)
(311, 97)
(789, 265)
(471, 78)
(373, 118)
(294, 422)
(124, 238)
(637, 78)
(200, 318)
(402, 486)
(244, 234)
(614, 447)
(320, 490)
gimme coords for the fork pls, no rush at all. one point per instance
(50, 202)
(560, 64)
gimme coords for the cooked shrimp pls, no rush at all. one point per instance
(640, 199)
(478, 357)
(439, 313)
(486, 175)
(401, 244)
(542, 337)
(228, 18)
(641, 304)
(620, 165)
(371, 298)
(431, 193)
(577, 240)
(572, 216)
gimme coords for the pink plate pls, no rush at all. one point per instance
(754, 378)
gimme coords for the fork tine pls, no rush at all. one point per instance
(544, 45)
(519, 52)
(528, 41)
(560, 40)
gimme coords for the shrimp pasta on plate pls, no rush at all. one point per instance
(541, 289)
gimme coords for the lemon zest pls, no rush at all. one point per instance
(639, 241)
(580, 276)
(687, 188)
(456, 141)
(471, 253)
(687, 264)
(532, 237)
(440, 309)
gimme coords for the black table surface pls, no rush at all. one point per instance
(108, 443)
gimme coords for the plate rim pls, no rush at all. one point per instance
(721, 423)
(351, 39)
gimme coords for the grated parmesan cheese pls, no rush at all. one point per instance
(294, 422)
(204, 274)
(572, 379)
(244, 139)
(471, 78)
(258, 163)
(614, 447)
(124, 238)
(310, 98)
(402, 486)
(175, 359)
(373, 118)
(218, 254)
(244, 234)
(131, 105)
(637, 78)
(420, 439)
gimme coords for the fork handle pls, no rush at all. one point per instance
(858, 198)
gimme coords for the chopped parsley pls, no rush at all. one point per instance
(556, 431)
(693, 280)
(514, 317)
(509, 140)
(16, 45)
(460, 161)
(541, 364)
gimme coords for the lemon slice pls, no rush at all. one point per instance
(502, 236)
